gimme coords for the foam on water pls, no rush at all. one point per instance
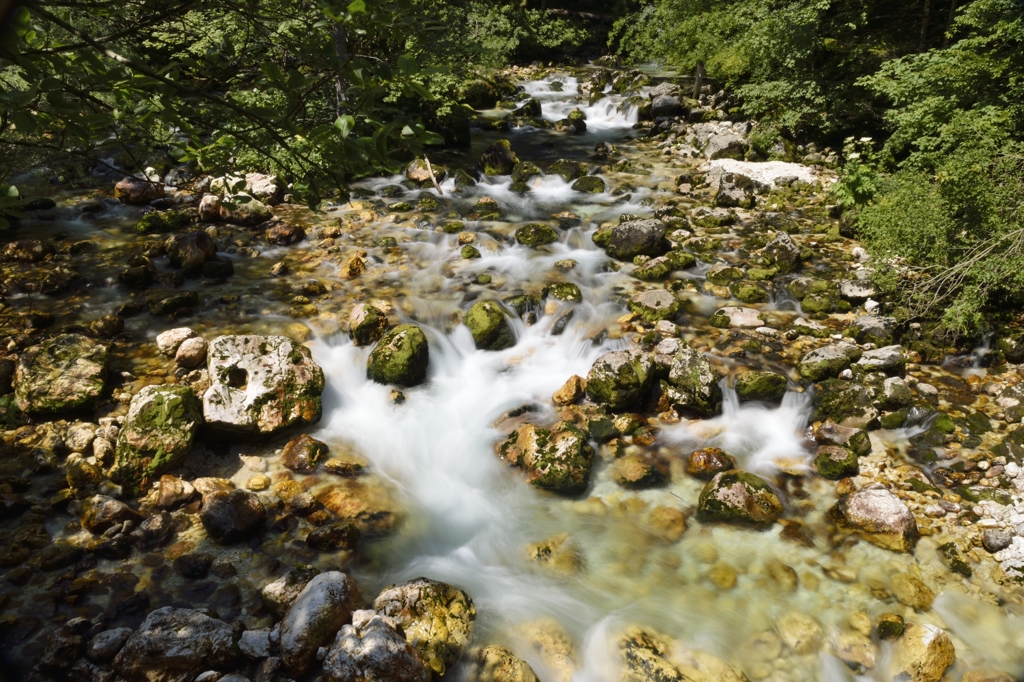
(604, 114)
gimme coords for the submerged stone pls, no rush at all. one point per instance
(489, 324)
(157, 434)
(400, 357)
(64, 373)
(498, 664)
(879, 516)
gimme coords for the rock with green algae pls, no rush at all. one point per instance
(499, 159)
(763, 387)
(739, 496)
(749, 292)
(643, 657)
(161, 222)
(400, 357)
(437, 619)
(844, 401)
(157, 434)
(620, 379)
(828, 361)
(565, 291)
(835, 462)
(654, 305)
(470, 252)
(558, 460)
(67, 372)
(498, 664)
(261, 385)
(636, 238)
(167, 301)
(603, 236)
(367, 324)
(568, 170)
(655, 269)
(242, 209)
(693, 383)
(488, 322)
(590, 184)
(536, 234)
(524, 171)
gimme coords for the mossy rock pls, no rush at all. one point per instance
(427, 204)
(558, 460)
(161, 222)
(748, 292)
(739, 497)
(835, 462)
(565, 291)
(156, 436)
(693, 383)
(463, 179)
(524, 171)
(469, 251)
(499, 159)
(488, 322)
(569, 170)
(838, 400)
(67, 372)
(603, 236)
(536, 234)
(893, 420)
(654, 305)
(453, 227)
(764, 387)
(620, 379)
(523, 304)
(654, 269)
(401, 357)
(519, 188)
(724, 275)
(680, 259)
(591, 184)
(400, 207)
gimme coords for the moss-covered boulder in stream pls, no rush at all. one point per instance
(558, 460)
(835, 462)
(524, 171)
(67, 372)
(763, 387)
(499, 159)
(654, 305)
(620, 379)
(635, 238)
(156, 435)
(844, 402)
(488, 322)
(739, 496)
(536, 234)
(161, 222)
(590, 184)
(568, 170)
(828, 361)
(400, 357)
(693, 383)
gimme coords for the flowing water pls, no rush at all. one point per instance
(468, 519)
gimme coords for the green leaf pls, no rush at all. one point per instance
(408, 65)
(25, 122)
(356, 6)
(344, 124)
(12, 192)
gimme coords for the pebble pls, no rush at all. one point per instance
(926, 390)
(996, 540)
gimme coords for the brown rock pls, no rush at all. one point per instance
(366, 504)
(571, 391)
(100, 512)
(637, 472)
(667, 523)
(707, 462)
(560, 554)
(136, 191)
(910, 591)
(879, 516)
(923, 653)
(284, 234)
(303, 453)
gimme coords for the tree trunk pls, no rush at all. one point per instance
(949, 23)
(698, 80)
(924, 26)
(341, 51)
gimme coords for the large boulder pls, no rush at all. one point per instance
(157, 434)
(175, 645)
(232, 516)
(873, 329)
(261, 385)
(558, 460)
(638, 238)
(886, 359)
(499, 159)
(137, 191)
(879, 517)
(828, 361)
(666, 105)
(325, 604)
(189, 251)
(243, 209)
(654, 305)
(923, 653)
(693, 383)
(279, 595)
(727, 146)
(372, 648)
(782, 253)
(764, 387)
(265, 187)
(489, 324)
(400, 357)
(620, 379)
(437, 619)
(64, 373)
(739, 496)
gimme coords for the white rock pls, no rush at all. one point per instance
(926, 390)
(209, 208)
(255, 644)
(741, 317)
(168, 342)
(766, 172)
(191, 353)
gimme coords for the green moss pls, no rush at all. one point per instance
(525, 170)
(400, 357)
(767, 387)
(569, 170)
(453, 227)
(565, 291)
(603, 236)
(469, 251)
(488, 323)
(738, 496)
(400, 207)
(590, 184)
(654, 270)
(893, 420)
(536, 234)
(834, 462)
(748, 292)
(838, 400)
(161, 222)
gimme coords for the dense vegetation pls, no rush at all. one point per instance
(931, 99)
(928, 96)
